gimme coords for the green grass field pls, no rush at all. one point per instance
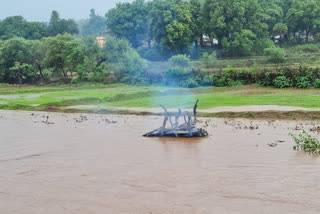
(37, 98)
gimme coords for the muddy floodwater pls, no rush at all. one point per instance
(70, 163)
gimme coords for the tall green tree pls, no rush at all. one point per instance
(129, 66)
(304, 16)
(61, 26)
(92, 61)
(63, 54)
(95, 26)
(15, 61)
(37, 51)
(272, 13)
(129, 21)
(172, 24)
(229, 20)
(198, 23)
(17, 26)
(280, 29)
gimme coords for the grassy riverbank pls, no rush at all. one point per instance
(67, 98)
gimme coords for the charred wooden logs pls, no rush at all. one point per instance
(187, 129)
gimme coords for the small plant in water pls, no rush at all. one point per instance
(305, 142)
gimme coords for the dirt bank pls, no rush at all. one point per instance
(73, 163)
(252, 108)
(250, 112)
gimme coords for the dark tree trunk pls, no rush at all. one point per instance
(64, 73)
(40, 71)
(201, 40)
(280, 40)
(20, 77)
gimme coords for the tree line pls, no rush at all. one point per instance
(242, 27)
(157, 29)
(65, 57)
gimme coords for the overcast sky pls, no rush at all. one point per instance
(40, 10)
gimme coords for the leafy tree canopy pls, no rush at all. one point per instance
(17, 26)
(172, 24)
(61, 26)
(95, 26)
(129, 21)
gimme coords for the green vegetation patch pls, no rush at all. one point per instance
(305, 142)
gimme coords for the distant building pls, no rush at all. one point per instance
(101, 40)
(207, 41)
(148, 44)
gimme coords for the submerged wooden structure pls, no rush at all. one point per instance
(187, 129)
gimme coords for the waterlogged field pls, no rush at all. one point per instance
(63, 98)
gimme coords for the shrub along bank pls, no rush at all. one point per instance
(181, 74)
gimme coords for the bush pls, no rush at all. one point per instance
(47, 74)
(316, 83)
(129, 66)
(296, 41)
(180, 61)
(221, 82)
(317, 37)
(190, 83)
(196, 53)
(242, 45)
(209, 60)
(99, 74)
(176, 76)
(83, 75)
(276, 55)
(303, 82)
(209, 80)
(180, 73)
(306, 142)
(151, 54)
(281, 82)
(233, 83)
(267, 79)
(227, 82)
(308, 48)
(75, 81)
(263, 44)
(133, 67)
(114, 49)
(246, 76)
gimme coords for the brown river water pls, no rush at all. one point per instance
(100, 164)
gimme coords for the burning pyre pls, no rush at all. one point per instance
(187, 129)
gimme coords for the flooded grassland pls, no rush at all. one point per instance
(72, 163)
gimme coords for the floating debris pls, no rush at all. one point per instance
(315, 129)
(81, 119)
(298, 127)
(272, 144)
(110, 121)
(47, 121)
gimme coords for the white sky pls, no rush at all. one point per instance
(40, 10)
